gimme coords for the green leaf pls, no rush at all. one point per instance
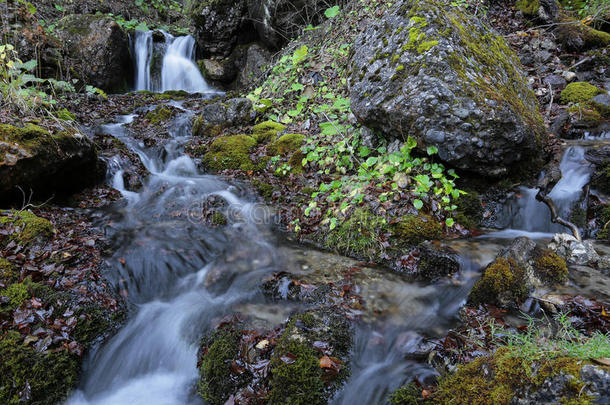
(418, 204)
(332, 12)
(142, 27)
(449, 222)
(432, 150)
(411, 143)
(299, 55)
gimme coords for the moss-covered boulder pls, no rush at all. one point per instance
(516, 273)
(267, 131)
(579, 92)
(576, 36)
(25, 228)
(545, 11)
(414, 229)
(509, 377)
(286, 144)
(35, 159)
(230, 152)
(159, 115)
(429, 70)
(48, 377)
(97, 51)
(303, 362)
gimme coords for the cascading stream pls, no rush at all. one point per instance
(180, 277)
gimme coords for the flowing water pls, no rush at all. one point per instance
(180, 276)
(524, 215)
(178, 70)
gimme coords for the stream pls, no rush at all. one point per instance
(164, 255)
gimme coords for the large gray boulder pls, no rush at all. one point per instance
(97, 51)
(428, 70)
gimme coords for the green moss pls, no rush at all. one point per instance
(604, 231)
(601, 178)
(298, 383)
(358, 235)
(172, 95)
(414, 229)
(263, 189)
(267, 131)
(497, 379)
(48, 377)
(31, 228)
(426, 46)
(230, 152)
(296, 162)
(8, 273)
(216, 382)
(17, 294)
(470, 209)
(286, 144)
(159, 115)
(528, 7)
(65, 115)
(502, 280)
(219, 219)
(93, 321)
(409, 394)
(579, 92)
(550, 266)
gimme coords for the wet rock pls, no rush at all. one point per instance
(517, 272)
(257, 58)
(302, 362)
(602, 103)
(98, 51)
(220, 115)
(556, 82)
(218, 25)
(435, 262)
(278, 21)
(419, 70)
(568, 247)
(35, 159)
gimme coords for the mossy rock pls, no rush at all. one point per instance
(17, 294)
(550, 266)
(47, 378)
(470, 210)
(8, 272)
(230, 152)
(604, 217)
(577, 36)
(601, 178)
(217, 383)
(409, 394)
(267, 131)
(358, 235)
(579, 92)
(528, 7)
(31, 229)
(286, 144)
(219, 219)
(302, 382)
(159, 115)
(263, 189)
(93, 322)
(502, 281)
(506, 375)
(414, 229)
(64, 115)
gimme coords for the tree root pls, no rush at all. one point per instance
(542, 197)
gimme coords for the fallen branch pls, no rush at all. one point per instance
(542, 197)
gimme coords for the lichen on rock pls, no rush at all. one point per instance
(468, 99)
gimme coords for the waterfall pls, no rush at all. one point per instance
(178, 69)
(527, 216)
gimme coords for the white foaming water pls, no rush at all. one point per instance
(178, 70)
(530, 217)
(143, 50)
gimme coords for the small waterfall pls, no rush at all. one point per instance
(527, 216)
(143, 51)
(178, 69)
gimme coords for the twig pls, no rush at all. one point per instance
(548, 113)
(542, 197)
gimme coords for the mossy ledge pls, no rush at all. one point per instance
(31, 229)
(230, 152)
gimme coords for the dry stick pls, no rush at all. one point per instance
(556, 218)
(548, 113)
